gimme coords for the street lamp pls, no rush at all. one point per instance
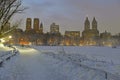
(10, 37)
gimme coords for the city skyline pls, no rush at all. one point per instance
(70, 15)
(34, 35)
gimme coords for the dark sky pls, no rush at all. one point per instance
(70, 14)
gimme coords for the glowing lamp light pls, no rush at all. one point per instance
(10, 37)
(2, 40)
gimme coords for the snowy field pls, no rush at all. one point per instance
(63, 63)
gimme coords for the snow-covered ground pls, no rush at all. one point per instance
(101, 58)
(4, 49)
(63, 63)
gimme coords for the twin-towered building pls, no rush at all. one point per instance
(37, 26)
(88, 32)
(90, 35)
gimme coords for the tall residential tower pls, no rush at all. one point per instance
(54, 28)
(90, 33)
(28, 24)
(36, 25)
(87, 24)
(41, 28)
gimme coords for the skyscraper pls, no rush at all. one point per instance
(36, 25)
(90, 33)
(94, 24)
(87, 24)
(94, 28)
(41, 28)
(54, 28)
(28, 24)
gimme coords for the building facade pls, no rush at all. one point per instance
(28, 24)
(90, 35)
(72, 38)
(41, 28)
(36, 25)
(54, 28)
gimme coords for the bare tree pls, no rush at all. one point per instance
(8, 8)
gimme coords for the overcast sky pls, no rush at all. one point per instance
(70, 14)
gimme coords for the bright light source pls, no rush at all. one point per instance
(2, 40)
(10, 37)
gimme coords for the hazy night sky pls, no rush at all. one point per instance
(70, 14)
